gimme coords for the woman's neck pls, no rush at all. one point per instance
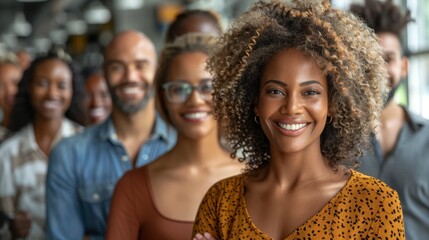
(291, 169)
(45, 132)
(204, 152)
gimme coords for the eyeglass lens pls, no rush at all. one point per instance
(179, 91)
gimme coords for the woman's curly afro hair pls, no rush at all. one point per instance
(343, 47)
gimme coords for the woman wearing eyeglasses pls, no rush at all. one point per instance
(160, 200)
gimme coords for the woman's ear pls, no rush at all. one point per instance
(255, 107)
(255, 110)
(331, 112)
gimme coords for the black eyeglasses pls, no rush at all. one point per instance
(179, 91)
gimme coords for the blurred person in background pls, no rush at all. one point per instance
(24, 58)
(48, 108)
(160, 200)
(400, 155)
(98, 103)
(10, 75)
(4, 219)
(84, 169)
(194, 20)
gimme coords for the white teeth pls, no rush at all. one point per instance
(51, 104)
(131, 90)
(196, 115)
(97, 112)
(292, 127)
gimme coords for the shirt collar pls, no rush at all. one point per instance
(161, 130)
(415, 121)
(28, 144)
(107, 129)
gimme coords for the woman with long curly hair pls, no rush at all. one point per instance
(299, 88)
(47, 108)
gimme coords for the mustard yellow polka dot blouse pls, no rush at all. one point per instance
(365, 208)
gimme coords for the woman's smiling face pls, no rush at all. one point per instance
(51, 89)
(192, 116)
(293, 102)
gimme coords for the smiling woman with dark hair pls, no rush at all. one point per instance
(98, 103)
(47, 108)
(299, 88)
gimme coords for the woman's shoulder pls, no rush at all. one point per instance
(136, 175)
(70, 128)
(230, 184)
(227, 189)
(17, 140)
(133, 187)
(369, 187)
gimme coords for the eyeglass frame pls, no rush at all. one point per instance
(198, 88)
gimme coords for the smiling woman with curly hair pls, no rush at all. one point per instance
(298, 89)
(343, 48)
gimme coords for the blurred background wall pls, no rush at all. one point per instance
(84, 27)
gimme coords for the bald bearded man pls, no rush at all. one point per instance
(83, 170)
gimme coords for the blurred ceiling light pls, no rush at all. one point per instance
(76, 27)
(129, 4)
(216, 5)
(10, 40)
(30, 1)
(61, 18)
(342, 4)
(20, 25)
(58, 36)
(42, 44)
(97, 13)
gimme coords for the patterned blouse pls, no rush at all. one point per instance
(223, 213)
(23, 167)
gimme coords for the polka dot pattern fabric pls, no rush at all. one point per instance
(365, 208)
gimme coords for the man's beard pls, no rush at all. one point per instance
(130, 107)
(391, 93)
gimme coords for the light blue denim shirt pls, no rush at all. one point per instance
(82, 174)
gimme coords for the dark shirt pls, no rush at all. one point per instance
(406, 169)
(3, 219)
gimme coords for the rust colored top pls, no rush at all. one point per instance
(133, 213)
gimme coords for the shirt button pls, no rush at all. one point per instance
(114, 136)
(96, 197)
(145, 157)
(124, 158)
